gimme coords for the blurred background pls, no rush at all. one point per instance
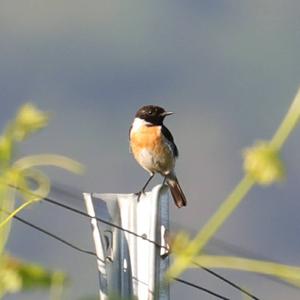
(228, 69)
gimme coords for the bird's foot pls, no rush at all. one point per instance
(139, 194)
(164, 183)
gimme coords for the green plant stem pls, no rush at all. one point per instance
(11, 215)
(288, 273)
(214, 223)
(7, 202)
(288, 124)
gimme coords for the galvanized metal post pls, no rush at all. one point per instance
(98, 247)
(129, 265)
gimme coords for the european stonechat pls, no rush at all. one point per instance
(153, 147)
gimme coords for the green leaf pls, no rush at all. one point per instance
(28, 120)
(5, 150)
(34, 276)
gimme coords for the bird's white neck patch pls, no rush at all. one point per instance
(138, 123)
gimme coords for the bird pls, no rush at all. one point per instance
(153, 147)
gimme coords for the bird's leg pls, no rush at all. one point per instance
(164, 181)
(142, 191)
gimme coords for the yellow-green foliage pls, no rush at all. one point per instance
(18, 174)
(16, 275)
(262, 165)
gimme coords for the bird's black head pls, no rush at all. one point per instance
(152, 114)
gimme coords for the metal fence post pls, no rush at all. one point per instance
(130, 266)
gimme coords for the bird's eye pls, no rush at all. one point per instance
(150, 112)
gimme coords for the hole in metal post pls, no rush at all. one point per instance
(108, 240)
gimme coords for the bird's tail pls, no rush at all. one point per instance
(176, 191)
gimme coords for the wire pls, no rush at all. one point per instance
(201, 288)
(94, 254)
(227, 281)
(54, 202)
(151, 241)
(104, 222)
(56, 237)
(77, 211)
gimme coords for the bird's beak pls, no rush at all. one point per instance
(166, 113)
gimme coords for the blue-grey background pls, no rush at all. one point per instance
(228, 69)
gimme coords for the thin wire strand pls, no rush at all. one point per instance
(201, 288)
(75, 210)
(156, 244)
(227, 281)
(54, 236)
(104, 222)
(54, 202)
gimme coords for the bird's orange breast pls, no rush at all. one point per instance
(148, 137)
(150, 149)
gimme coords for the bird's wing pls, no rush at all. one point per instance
(168, 135)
